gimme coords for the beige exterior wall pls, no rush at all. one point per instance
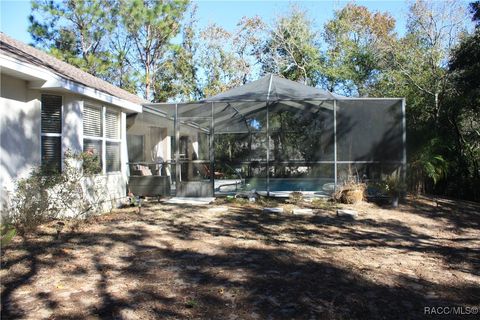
(20, 142)
(19, 131)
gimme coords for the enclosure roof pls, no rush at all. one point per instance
(233, 110)
(272, 88)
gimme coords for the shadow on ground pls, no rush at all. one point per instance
(252, 270)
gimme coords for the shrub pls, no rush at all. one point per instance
(267, 202)
(325, 204)
(394, 185)
(90, 163)
(31, 202)
(44, 194)
(350, 193)
(295, 197)
(7, 232)
(288, 208)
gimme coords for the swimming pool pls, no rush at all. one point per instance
(290, 184)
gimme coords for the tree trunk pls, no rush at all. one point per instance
(147, 80)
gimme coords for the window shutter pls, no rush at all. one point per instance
(92, 121)
(51, 114)
(112, 156)
(51, 153)
(112, 125)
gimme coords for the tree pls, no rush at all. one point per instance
(465, 61)
(125, 42)
(415, 66)
(75, 32)
(419, 58)
(292, 49)
(178, 77)
(351, 63)
(246, 41)
(463, 111)
(228, 58)
(150, 25)
(217, 60)
(122, 67)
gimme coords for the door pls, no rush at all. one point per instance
(194, 178)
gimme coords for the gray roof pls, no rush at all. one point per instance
(234, 108)
(273, 88)
(26, 53)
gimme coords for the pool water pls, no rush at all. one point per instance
(290, 184)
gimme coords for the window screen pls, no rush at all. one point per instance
(92, 121)
(51, 153)
(101, 129)
(135, 148)
(94, 147)
(369, 130)
(112, 156)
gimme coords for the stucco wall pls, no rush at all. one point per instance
(20, 142)
(19, 131)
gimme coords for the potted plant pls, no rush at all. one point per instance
(394, 186)
(350, 193)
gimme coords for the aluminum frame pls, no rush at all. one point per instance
(267, 105)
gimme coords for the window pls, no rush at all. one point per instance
(112, 133)
(51, 139)
(101, 136)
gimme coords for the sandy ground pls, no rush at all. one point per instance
(231, 261)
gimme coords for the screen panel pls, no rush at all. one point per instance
(369, 130)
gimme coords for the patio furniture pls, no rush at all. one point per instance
(145, 184)
(208, 173)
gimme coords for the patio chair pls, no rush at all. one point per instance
(208, 174)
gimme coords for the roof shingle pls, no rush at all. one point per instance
(26, 53)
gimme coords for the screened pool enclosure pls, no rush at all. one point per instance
(275, 136)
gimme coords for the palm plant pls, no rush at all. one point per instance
(430, 164)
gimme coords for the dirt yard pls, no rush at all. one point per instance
(231, 261)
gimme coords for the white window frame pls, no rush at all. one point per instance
(58, 135)
(118, 140)
(103, 111)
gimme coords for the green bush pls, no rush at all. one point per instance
(44, 194)
(7, 232)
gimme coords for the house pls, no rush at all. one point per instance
(271, 135)
(49, 106)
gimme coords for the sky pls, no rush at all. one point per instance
(14, 13)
